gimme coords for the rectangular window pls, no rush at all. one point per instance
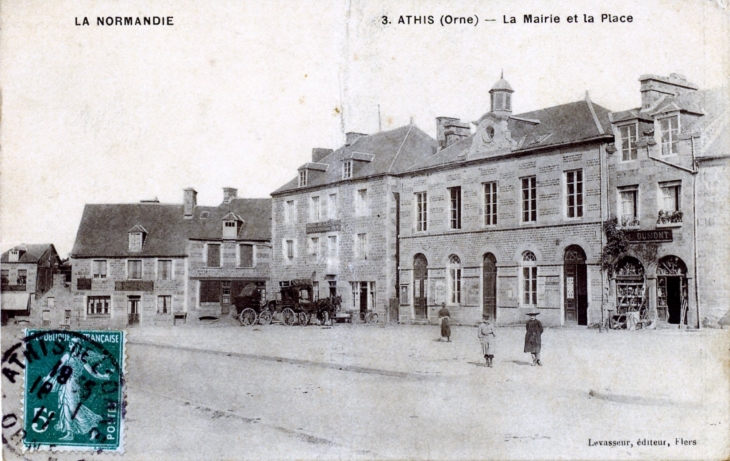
(347, 169)
(98, 305)
(46, 316)
(314, 247)
(371, 293)
(289, 248)
(529, 286)
(332, 246)
(210, 291)
(289, 211)
(98, 269)
(135, 241)
(164, 269)
(628, 200)
(245, 255)
(5, 275)
(302, 178)
(455, 285)
(421, 212)
(361, 202)
(226, 292)
(628, 142)
(164, 304)
(134, 269)
(490, 204)
(332, 206)
(574, 193)
(455, 207)
(332, 285)
(314, 210)
(669, 128)
(22, 276)
(671, 197)
(529, 199)
(214, 255)
(361, 246)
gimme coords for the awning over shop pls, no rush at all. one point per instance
(15, 301)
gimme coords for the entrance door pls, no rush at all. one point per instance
(489, 286)
(363, 296)
(133, 309)
(420, 284)
(576, 286)
(674, 299)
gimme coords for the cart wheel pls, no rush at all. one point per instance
(288, 316)
(372, 317)
(247, 317)
(265, 317)
(303, 318)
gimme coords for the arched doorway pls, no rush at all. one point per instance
(420, 285)
(630, 287)
(671, 289)
(576, 286)
(489, 285)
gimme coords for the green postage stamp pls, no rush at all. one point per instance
(74, 390)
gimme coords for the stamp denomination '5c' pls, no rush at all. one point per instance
(74, 395)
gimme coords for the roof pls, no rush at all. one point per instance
(387, 152)
(103, 228)
(567, 123)
(10, 301)
(32, 254)
(503, 85)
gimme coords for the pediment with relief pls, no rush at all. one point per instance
(492, 136)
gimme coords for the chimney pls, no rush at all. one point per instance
(654, 87)
(229, 193)
(190, 201)
(351, 137)
(318, 153)
(450, 130)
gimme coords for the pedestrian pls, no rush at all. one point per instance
(532, 337)
(485, 332)
(444, 321)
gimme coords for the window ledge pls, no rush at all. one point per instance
(669, 224)
(98, 316)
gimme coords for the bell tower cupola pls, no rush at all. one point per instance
(501, 97)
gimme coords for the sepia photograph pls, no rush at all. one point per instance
(365, 230)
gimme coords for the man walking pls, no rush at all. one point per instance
(533, 337)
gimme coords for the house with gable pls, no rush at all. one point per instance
(336, 222)
(27, 274)
(147, 263)
(667, 175)
(508, 218)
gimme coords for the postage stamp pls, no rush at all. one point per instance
(74, 390)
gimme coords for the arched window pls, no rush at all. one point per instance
(529, 279)
(454, 279)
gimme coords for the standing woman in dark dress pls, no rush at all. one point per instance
(444, 318)
(533, 337)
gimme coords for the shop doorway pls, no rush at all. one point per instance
(133, 309)
(489, 286)
(672, 290)
(420, 285)
(576, 286)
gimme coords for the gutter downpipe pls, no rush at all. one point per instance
(694, 232)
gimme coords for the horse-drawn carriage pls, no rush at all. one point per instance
(295, 302)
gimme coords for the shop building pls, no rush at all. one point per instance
(152, 263)
(667, 188)
(336, 222)
(27, 274)
(507, 218)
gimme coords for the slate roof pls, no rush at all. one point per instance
(392, 152)
(103, 231)
(33, 253)
(567, 123)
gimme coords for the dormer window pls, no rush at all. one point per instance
(231, 224)
(302, 178)
(669, 128)
(14, 256)
(137, 237)
(347, 169)
(629, 137)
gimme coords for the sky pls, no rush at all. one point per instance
(237, 93)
